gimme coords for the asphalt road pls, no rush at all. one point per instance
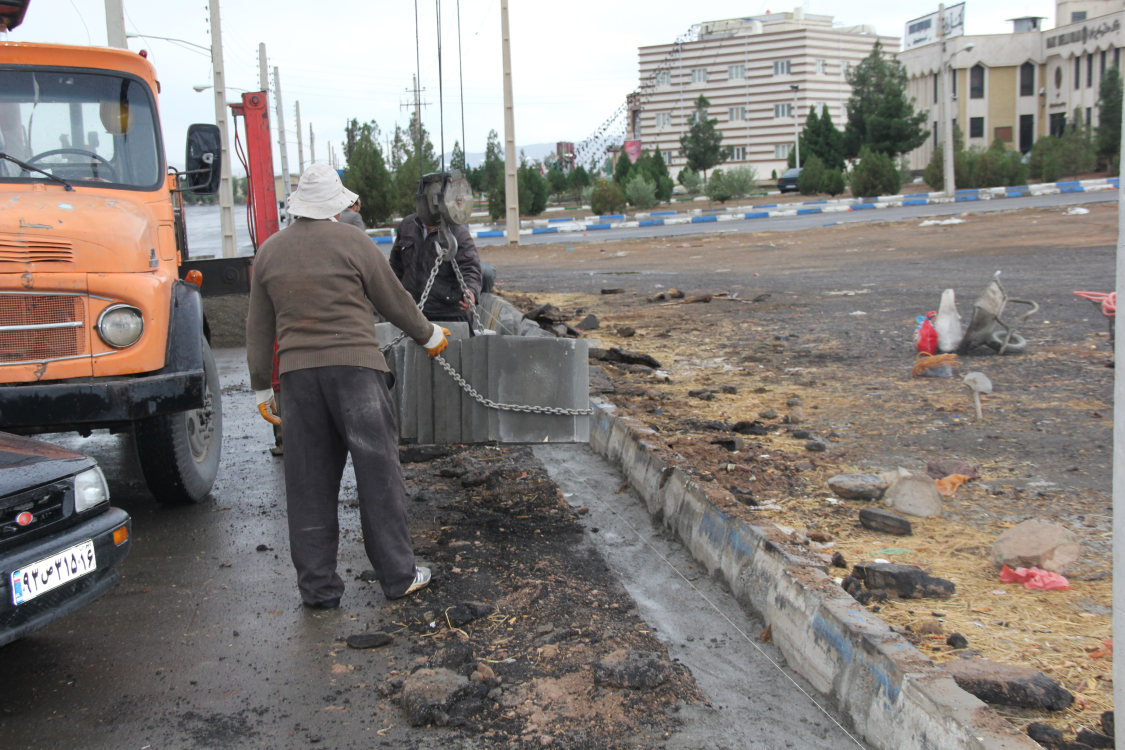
(204, 643)
(795, 223)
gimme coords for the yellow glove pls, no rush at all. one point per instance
(267, 407)
(434, 349)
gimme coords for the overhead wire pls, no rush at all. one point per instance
(461, 77)
(440, 99)
(417, 83)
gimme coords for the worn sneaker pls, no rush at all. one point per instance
(421, 580)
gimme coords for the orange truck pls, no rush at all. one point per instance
(97, 329)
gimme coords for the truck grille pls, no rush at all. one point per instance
(16, 249)
(36, 327)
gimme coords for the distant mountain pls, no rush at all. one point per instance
(533, 151)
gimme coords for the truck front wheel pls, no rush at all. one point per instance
(179, 453)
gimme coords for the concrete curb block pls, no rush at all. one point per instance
(895, 697)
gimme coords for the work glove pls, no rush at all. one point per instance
(438, 341)
(267, 407)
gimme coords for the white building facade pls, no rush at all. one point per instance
(746, 67)
(1024, 85)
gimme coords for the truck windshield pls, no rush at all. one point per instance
(82, 127)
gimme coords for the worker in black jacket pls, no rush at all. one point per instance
(412, 259)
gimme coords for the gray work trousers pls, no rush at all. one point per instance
(329, 413)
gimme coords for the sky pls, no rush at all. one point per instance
(572, 63)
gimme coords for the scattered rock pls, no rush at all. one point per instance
(263, 548)
(429, 695)
(547, 314)
(417, 454)
(731, 389)
(768, 414)
(1009, 685)
(559, 330)
(452, 657)
(866, 597)
(750, 428)
(675, 294)
(819, 537)
(626, 332)
(1045, 734)
(613, 291)
(635, 670)
(1107, 723)
(852, 585)
(597, 353)
(638, 369)
(858, 486)
(816, 446)
(797, 415)
(732, 443)
(1037, 544)
(633, 358)
(558, 635)
(463, 614)
(945, 467)
(599, 381)
(884, 522)
(915, 496)
(703, 394)
(484, 477)
(804, 466)
(801, 435)
(370, 640)
(838, 560)
(1094, 739)
(794, 401)
(589, 323)
(956, 640)
(456, 472)
(903, 581)
(931, 627)
(367, 576)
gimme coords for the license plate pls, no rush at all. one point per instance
(51, 572)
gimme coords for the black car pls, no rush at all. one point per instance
(60, 541)
(787, 183)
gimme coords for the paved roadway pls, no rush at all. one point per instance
(812, 221)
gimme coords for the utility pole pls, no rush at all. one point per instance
(511, 186)
(1119, 477)
(285, 187)
(263, 71)
(226, 194)
(312, 145)
(115, 23)
(946, 107)
(300, 142)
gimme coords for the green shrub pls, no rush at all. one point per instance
(773, 175)
(1046, 148)
(1052, 170)
(741, 181)
(606, 198)
(935, 170)
(875, 175)
(905, 173)
(1076, 148)
(833, 182)
(1015, 171)
(717, 189)
(691, 181)
(808, 182)
(988, 167)
(640, 192)
(587, 195)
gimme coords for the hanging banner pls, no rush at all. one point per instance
(925, 30)
(633, 149)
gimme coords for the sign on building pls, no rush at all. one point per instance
(924, 30)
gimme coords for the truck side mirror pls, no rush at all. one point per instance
(203, 163)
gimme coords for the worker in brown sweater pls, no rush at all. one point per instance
(310, 290)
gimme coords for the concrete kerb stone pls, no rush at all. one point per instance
(893, 695)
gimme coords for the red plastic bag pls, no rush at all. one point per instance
(1034, 578)
(925, 337)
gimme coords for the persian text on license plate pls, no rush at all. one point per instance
(49, 573)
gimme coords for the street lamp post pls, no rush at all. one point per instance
(947, 103)
(796, 125)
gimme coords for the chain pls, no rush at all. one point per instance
(478, 328)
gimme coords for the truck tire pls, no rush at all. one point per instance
(179, 453)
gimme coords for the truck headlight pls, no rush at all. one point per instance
(89, 490)
(120, 325)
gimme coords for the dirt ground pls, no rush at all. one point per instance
(832, 331)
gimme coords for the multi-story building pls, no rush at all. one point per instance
(748, 68)
(1021, 86)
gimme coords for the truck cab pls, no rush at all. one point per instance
(97, 330)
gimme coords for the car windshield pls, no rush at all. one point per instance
(792, 172)
(82, 127)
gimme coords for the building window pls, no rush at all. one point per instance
(935, 134)
(783, 110)
(781, 67)
(1089, 116)
(1004, 133)
(782, 151)
(1027, 79)
(1089, 70)
(821, 66)
(663, 78)
(736, 113)
(663, 119)
(699, 75)
(976, 82)
(1117, 57)
(976, 127)
(936, 80)
(1101, 70)
(738, 153)
(736, 71)
(1057, 125)
(1078, 72)
(845, 67)
(1078, 15)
